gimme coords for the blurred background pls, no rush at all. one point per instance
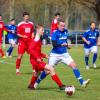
(77, 13)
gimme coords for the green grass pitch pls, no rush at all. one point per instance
(14, 87)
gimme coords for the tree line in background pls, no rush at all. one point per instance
(77, 13)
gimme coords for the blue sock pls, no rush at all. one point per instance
(78, 75)
(42, 76)
(94, 58)
(86, 60)
(10, 50)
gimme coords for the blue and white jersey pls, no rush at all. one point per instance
(13, 29)
(91, 36)
(60, 37)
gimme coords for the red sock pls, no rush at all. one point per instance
(57, 80)
(18, 61)
(2, 53)
(33, 79)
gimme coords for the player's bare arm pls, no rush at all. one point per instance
(22, 36)
(85, 40)
(98, 41)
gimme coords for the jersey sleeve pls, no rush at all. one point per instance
(43, 55)
(54, 36)
(19, 29)
(33, 28)
(98, 34)
(85, 35)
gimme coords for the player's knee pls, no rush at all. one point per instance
(20, 56)
(72, 65)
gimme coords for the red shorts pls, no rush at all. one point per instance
(22, 47)
(1, 43)
(38, 66)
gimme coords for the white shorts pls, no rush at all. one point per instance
(93, 49)
(64, 58)
(12, 41)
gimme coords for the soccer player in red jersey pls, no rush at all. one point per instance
(36, 59)
(2, 28)
(25, 31)
(54, 24)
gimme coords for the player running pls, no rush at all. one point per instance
(90, 38)
(54, 24)
(2, 28)
(12, 37)
(36, 59)
(59, 53)
(25, 31)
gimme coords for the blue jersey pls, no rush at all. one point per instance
(10, 34)
(60, 37)
(91, 36)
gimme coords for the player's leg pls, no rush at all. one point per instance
(94, 51)
(70, 62)
(87, 51)
(21, 51)
(33, 79)
(1, 51)
(52, 61)
(10, 49)
(54, 76)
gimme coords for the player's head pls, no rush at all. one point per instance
(57, 15)
(39, 29)
(61, 25)
(26, 16)
(12, 21)
(92, 25)
(0, 17)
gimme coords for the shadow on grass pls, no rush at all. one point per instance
(49, 89)
(27, 73)
(94, 68)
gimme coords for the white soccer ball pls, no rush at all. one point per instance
(70, 90)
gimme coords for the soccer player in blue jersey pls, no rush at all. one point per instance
(90, 38)
(59, 53)
(12, 37)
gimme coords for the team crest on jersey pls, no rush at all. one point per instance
(27, 30)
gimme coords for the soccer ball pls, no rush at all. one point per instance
(70, 90)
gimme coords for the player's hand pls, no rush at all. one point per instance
(69, 46)
(64, 44)
(25, 36)
(47, 56)
(39, 60)
(88, 42)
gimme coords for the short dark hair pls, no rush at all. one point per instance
(92, 22)
(39, 25)
(12, 19)
(25, 13)
(56, 14)
(0, 15)
(61, 20)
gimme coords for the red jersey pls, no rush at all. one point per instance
(54, 25)
(35, 50)
(2, 28)
(25, 28)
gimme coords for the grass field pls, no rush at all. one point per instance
(14, 87)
